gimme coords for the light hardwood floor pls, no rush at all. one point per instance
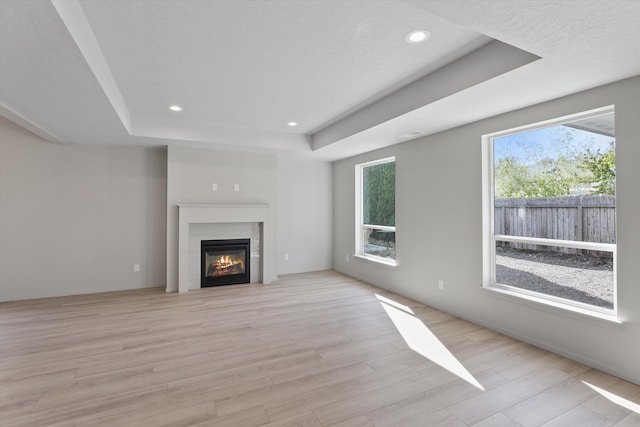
(313, 349)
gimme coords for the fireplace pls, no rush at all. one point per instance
(254, 222)
(225, 262)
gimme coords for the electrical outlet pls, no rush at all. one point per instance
(236, 187)
(441, 285)
(346, 257)
(286, 257)
(136, 268)
(214, 187)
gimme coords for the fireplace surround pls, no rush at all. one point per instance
(190, 214)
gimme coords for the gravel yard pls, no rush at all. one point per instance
(580, 278)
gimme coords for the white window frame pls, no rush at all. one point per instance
(360, 225)
(489, 238)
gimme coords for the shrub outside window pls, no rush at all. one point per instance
(375, 210)
(549, 212)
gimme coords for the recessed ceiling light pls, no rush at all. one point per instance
(417, 36)
(175, 108)
(292, 124)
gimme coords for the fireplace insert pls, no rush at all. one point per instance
(225, 262)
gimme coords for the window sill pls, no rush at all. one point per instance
(378, 261)
(555, 307)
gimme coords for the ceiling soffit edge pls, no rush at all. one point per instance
(489, 61)
(74, 19)
(19, 119)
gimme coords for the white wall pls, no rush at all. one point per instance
(439, 233)
(304, 216)
(298, 190)
(74, 219)
(190, 175)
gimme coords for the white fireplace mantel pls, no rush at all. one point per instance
(203, 214)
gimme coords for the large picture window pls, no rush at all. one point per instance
(550, 212)
(376, 210)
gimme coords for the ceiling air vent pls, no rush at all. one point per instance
(413, 134)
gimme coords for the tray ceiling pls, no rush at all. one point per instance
(106, 72)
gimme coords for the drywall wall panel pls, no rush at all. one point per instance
(439, 232)
(75, 219)
(214, 177)
(305, 216)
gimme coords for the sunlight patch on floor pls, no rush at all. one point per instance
(421, 340)
(618, 400)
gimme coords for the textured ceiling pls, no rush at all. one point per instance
(81, 71)
(264, 64)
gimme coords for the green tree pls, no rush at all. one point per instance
(540, 165)
(602, 169)
(379, 193)
(545, 178)
(557, 177)
(511, 179)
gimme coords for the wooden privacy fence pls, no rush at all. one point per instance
(581, 218)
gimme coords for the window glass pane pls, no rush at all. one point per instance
(557, 182)
(379, 194)
(380, 243)
(577, 275)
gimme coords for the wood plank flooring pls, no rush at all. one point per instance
(314, 349)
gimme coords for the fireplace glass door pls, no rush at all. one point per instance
(225, 262)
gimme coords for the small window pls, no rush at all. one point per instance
(376, 210)
(550, 212)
